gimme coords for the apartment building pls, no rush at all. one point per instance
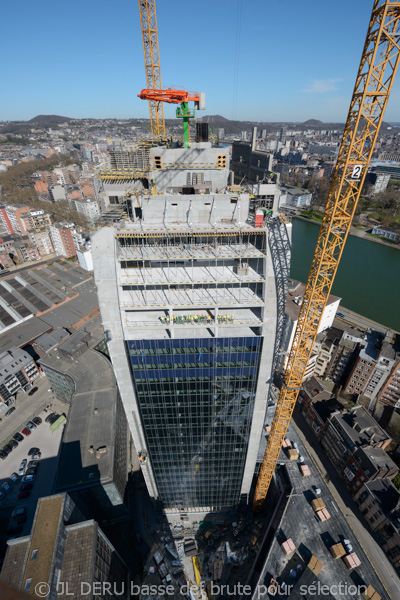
(317, 404)
(14, 221)
(371, 368)
(37, 218)
(42, 241)
(321, 353)
(355, 444)
(379, 502)
(89, 208)
(62, 239)
(390, 393)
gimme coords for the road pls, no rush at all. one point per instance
(30, 264)
(345, 501)
(358, 321)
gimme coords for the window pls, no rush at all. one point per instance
(221, 161)
(34, 554)
(27, 585)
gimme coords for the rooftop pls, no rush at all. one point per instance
(385, 493)
(361, 427)
(91, 422)
(373, 460)
(294, 300)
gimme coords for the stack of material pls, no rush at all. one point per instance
(317, 504)
(286, 443)
(305, 470)
(323, 515)
(371, 594)
(288, 547)
(351, 561)
(293, 454)
(337, 551)
(315, 565)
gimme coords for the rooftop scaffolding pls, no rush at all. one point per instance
(189, 251)
(187, 275)
(199, 296)
(190, 318)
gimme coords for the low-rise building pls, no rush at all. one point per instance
(94, 456)
(387, 232)
(17, 371)
(294, 197)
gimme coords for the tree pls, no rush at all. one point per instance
(396, 481)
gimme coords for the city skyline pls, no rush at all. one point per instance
(255, 62)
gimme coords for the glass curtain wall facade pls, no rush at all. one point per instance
(196, 399)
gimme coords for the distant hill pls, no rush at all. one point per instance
(313, 123)
(213, 119)
(49, 119)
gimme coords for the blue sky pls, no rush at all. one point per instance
(295, 60)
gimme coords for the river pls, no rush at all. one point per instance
(368, 278)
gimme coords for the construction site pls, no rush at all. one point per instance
(192, 285)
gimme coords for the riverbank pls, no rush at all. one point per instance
(355, 232)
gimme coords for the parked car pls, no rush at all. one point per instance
(17, 512)
(24, 494)
(26, 431)
(37, 456)
(31, 425)
(33, 451)
(6, 487)
(33, 463)
(26, 487)
(18, 437)
(14, 477)
(13, 444)
(37, 420)
(22, 467)
(3, 455)
(31, 471)
(49, 417)
(348, 546)
(33, 390)
(21, 520)
(10, 411)
(16, 529)
(7, 450)
(28, 478)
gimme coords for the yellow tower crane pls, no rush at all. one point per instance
(148, 22)
(379, 62)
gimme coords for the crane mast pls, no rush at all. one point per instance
(148, 22)
(379, 62)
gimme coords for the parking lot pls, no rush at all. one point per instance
(48, 443)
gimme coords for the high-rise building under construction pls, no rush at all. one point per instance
(191, 289)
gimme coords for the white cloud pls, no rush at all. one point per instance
(322, 86)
